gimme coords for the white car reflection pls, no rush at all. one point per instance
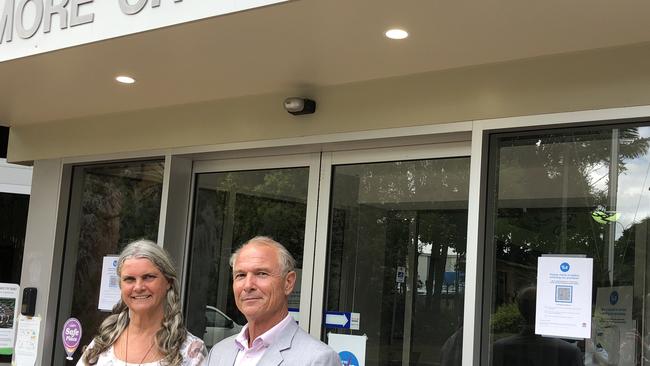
(218, 326)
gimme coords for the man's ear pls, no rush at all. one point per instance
(289, 282)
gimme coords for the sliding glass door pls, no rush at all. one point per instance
(378, 233)
(395, 230)
(233, 202)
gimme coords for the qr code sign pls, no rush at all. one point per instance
(112, 281)
(563, 294)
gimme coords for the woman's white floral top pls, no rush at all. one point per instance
(193, 351)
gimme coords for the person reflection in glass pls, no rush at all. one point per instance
(529, 349)
(451, 353)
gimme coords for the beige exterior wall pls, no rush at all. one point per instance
(607, 78)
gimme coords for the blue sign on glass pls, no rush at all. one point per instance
(348, 359)
(337, 319)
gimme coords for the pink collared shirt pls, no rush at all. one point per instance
(251, 356)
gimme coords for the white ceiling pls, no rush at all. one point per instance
(304, 44)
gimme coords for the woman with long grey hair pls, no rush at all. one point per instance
(146, 325)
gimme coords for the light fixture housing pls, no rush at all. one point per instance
(299, 105)
(396, 33)
(124, 79)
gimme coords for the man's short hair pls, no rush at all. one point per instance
(526, 302)
(285, 259)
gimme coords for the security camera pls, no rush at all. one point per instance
(297, 106)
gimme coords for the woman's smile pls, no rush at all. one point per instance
(143, 286)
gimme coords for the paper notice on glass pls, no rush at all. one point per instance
(614, 305)
(564, 286)
(8, 316)
(27, 340)
(351, 348)
(109, 290)
(615, 329)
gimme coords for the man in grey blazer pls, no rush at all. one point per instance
(263, 278)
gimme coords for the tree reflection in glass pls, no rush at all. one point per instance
(397, 247)
(229, 209)
(110, 206)
(581, 192)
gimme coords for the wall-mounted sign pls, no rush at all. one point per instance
(8, 316)
(29, 27)
(564, 286)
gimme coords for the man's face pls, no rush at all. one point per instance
(260, 289)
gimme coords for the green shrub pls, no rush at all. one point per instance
(506, 319)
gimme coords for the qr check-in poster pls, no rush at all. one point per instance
(564, 286)
(109, 290)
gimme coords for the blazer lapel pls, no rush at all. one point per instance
(226, 356)
(231, 355)
(273, 355)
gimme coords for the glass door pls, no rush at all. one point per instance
(235, 200)
(395, 228)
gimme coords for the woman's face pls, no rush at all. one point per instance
(143, 286)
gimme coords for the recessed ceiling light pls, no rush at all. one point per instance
(396, 33)
(125, 79)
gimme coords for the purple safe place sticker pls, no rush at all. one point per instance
(71, 336)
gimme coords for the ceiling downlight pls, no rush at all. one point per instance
(124, 79)
(396, 33)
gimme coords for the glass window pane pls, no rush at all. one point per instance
(229, 209)
(397, 246)
(110, 206)
(13, 224)
(578, 192)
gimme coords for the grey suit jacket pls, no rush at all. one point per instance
(294, 347)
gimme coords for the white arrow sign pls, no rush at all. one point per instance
(336, 319)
